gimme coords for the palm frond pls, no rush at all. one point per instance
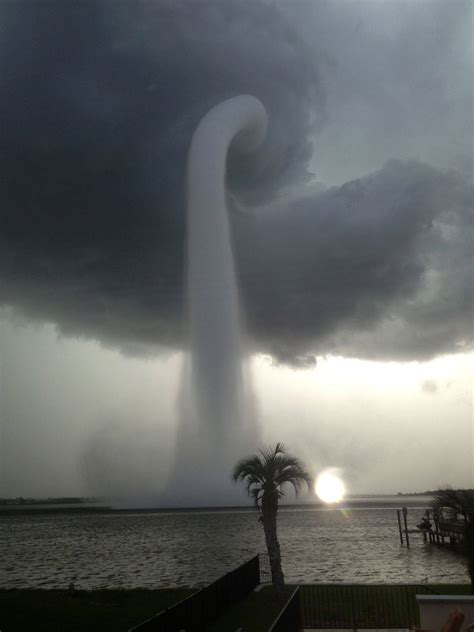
(247, 466)
(266, 473)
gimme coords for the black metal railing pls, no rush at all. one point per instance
(289, 619)
(360, 606)
(195, 612)
(265, 571)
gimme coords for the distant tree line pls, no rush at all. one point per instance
(428, 492)
(66, 500)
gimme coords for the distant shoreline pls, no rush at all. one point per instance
(20, 501)
(353, 502)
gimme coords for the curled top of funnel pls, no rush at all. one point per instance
(240, 122)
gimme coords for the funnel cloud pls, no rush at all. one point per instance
(218, 423)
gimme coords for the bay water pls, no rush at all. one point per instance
(155, 549)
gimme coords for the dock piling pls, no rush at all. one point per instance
(405, 511)
(400, 526)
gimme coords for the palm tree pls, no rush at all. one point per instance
(264, 475)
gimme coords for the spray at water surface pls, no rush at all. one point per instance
(218, 422)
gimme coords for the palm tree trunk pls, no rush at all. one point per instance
(273, 548)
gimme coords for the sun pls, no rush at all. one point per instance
(329, 487)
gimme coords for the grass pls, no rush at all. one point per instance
(60, 611)
(452, 589)
(254, 613)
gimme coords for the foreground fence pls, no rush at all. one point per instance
(360, 606)
(195, 612)
(289, 619)
(265, 572)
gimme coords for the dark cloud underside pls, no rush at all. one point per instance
(98, 103)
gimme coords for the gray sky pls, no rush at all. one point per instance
(355, 241)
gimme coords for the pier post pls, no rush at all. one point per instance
(438, 539)
(405, 511)
(400, 526)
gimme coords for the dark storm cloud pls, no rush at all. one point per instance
(397, 83)
(380, 267)
(98, 102)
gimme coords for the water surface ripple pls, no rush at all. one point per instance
(153, 550)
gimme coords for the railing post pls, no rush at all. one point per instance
(354, 618)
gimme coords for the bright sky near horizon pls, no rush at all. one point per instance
(80, 419)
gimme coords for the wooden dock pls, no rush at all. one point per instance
(441, 531)
(454, 530)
